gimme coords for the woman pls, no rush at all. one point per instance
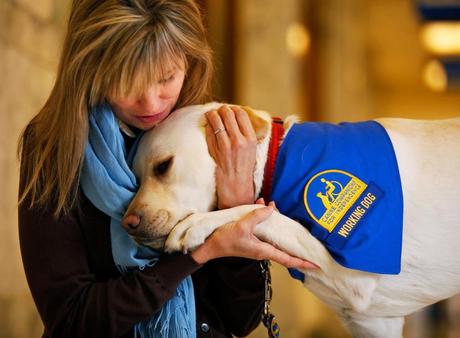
(141, 59)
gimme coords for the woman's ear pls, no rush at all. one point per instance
(260, 120)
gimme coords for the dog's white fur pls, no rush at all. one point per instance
(371, 305)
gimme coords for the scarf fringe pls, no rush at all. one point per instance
(168, 322)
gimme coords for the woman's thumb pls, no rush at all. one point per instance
(257, 216)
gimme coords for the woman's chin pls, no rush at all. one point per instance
(144, 125)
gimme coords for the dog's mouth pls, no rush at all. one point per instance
(156, 243)
(180, 220)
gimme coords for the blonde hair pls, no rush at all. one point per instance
(112, 47)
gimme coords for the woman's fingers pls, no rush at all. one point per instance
(255, 217)
(260, 201)
(266, 250)
(237, 239)
(235, 156)
(214, 120)
(236, 122)
(228, 118)
(273, 205)
(244, 123)
(219, 129)
(211, 141)
(231, 124)
(281, 257)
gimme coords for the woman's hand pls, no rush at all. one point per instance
(232, 144)
(237, 239)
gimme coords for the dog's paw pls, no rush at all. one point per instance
(194, 237)
(172, 244)
(190, 233)
(175, 239)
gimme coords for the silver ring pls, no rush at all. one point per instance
(219, 130)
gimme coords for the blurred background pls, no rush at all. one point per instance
(329, 60)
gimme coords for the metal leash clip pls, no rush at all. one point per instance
(268, 318)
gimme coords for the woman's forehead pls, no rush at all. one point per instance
(157, 69)
(144, 76)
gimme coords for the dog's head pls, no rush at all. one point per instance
(176, 174)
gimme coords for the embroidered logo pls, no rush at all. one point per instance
(336, 197)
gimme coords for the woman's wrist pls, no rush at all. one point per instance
(234, 191)
(202, 254)
(215, 246)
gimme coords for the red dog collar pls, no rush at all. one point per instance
(275, 142)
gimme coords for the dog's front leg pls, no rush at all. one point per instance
(354, 287)
(294, 239)
(193, 231)
(279, 230)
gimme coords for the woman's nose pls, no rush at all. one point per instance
(150, 101)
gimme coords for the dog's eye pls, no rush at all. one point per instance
(162, 168)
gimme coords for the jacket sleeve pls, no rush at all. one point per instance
(70, 299)
(238, 293)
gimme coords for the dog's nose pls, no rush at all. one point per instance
(131, 221)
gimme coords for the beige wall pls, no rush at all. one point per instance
(370, 63)
(267, 76)
(30, 35)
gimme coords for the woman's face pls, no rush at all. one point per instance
(153, 106)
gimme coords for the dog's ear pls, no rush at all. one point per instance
(261, 122)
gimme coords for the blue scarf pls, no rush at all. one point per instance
(342, 182)
(109, 183)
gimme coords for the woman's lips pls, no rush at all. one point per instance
(149, 119)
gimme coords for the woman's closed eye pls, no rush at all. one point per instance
(167, 79)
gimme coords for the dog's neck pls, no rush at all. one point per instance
(267, 151)
(277, 133)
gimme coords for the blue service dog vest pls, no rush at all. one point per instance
(342, 182)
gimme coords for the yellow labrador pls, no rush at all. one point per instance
(174, 209)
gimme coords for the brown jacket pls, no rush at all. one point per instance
(79, 292)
